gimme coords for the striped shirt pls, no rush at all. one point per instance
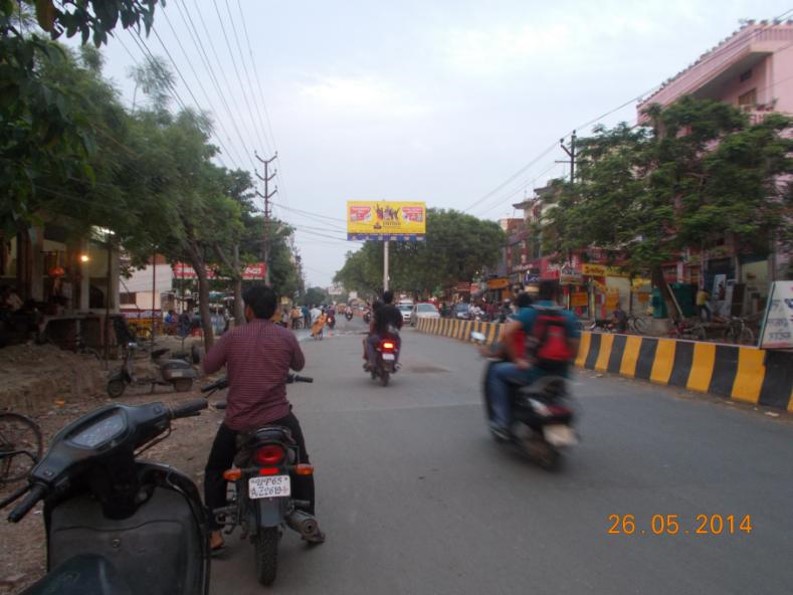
(257, 356)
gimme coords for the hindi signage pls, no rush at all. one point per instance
(777, 331)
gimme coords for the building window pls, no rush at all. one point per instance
(746, 75)
(748, 100)
(127, 298)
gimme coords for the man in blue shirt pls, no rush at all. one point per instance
(520, 370)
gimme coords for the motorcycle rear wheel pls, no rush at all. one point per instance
(266, 548)
(384, 378)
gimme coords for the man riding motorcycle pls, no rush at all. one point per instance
(522, 371)
(258, 357)
(385, 315)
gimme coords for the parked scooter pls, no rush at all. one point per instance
(542, 413)
(387, 352)
(175, 372)
(116, 524)
(264, 468)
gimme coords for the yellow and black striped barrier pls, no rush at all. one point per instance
(745, 374)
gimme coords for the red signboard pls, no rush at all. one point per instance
(251, 272)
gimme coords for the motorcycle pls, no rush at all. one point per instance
(387, 351)
(543, 416)
(265, 466)
(173, 371)
(114, 523)
(348, 314)
(367, 316)
(331, 321)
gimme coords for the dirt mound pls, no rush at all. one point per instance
(36, 376)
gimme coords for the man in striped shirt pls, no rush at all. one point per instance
(257, 357)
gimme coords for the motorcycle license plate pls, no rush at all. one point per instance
(389, 357)
(559, 435)
(271, 486)
(177, 373)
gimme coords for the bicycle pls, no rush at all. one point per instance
(21, 446)
(739, 332)
(637, 324)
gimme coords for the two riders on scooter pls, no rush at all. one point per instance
(525, 366)
(386, 315)
(258, 357)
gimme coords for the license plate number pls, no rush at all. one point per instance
(271, 486)
(559, 435)
(389, 357)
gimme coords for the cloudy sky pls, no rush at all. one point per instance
(457, 103)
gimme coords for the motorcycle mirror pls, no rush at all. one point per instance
(478, 337)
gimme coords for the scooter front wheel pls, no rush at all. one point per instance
(266, 545)
(116, 387)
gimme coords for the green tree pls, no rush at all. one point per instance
(314, 296)
(456, 248)
(698, 174)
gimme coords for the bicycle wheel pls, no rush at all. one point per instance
(639, 325)
(21, 446)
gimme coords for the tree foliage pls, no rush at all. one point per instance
(457, 248)
(699, 173)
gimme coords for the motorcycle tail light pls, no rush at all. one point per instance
(559, 410)
(304, 469)
(232, 474)
(387, 345)
(269, 471)
(269, 454)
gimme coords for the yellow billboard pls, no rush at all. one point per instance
(386, 220)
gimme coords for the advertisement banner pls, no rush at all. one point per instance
(777, 331)
(386, 220)
(579, 299)
(252, 272)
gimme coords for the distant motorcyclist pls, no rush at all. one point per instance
(385, 315)
(529, 365)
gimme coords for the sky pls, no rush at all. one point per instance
(459, 104)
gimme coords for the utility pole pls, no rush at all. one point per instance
(571, 154)
(267, 196)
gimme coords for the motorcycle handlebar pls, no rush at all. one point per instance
(36, 493)
(298, 378)
(219, 384)
(188, 409)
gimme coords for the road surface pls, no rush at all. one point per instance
(416, 498)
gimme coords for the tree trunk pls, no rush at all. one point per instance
(235, 267)
(197, 262)
(659, 281)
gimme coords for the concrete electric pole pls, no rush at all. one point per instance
(267, 196)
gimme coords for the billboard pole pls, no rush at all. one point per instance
(385, 265)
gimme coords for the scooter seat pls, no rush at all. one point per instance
(85, 573)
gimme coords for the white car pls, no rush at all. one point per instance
(423, 310)
(406, 310)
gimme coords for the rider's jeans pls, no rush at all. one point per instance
(501, 376)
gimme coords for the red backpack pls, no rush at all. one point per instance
(551, 343)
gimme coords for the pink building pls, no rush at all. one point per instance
(752, 69)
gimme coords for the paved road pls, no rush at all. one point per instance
(415, 498)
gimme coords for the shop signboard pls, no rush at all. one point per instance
(386, 220)
(251, 272)
(579, 299)
(777, 330)
(570, 276)
(495, 284)
(601, 270)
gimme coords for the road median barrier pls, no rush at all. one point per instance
(740, 373)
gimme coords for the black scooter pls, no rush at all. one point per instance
(265, 466)
(116, 524)
(543, 415)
